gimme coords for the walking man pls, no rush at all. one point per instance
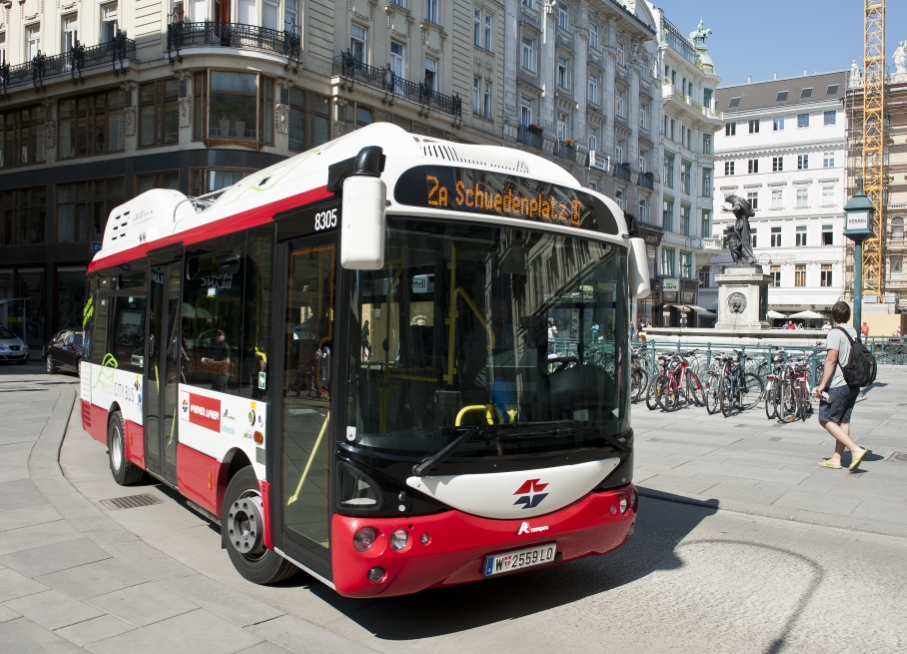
(836, 398)
(865, 330)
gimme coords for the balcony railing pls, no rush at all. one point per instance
(622, 172)
(182, 35)
(113, 53)
(565, 151)
(646, 180)
(353, 71)
(530, 137)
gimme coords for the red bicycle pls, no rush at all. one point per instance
(679, 386)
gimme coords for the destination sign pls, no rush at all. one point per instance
(484, 192)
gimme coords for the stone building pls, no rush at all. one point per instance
(104, 99)
(894, 283)
(783, 149)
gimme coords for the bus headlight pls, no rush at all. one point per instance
(364, 539)
(399, 539)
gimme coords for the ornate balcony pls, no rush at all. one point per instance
(116, 51)
(561, 149)
(530, 137)
(646, 180)
(182, 36)
(621, 172)
(351, 72)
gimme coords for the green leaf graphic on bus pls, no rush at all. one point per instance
(105, 373)
(88, 311)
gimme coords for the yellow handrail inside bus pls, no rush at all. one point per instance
(453, 314)
(487, 408)
(305, 472)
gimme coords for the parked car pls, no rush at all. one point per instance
(63, 352)
(12, 348)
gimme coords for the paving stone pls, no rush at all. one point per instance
(14, 585)
(26, 538)
(670, 484)
(198, 632)
(817, 502)
(23, 635)
(232, 605)
(92, 579)
(265, 648)
(26, 517)
(148, 560)
(91, 631)
(15, 487)
(7, 614)
(51, 558)
(22, 500)
(304, 637)
(52, 609)
(143, 604)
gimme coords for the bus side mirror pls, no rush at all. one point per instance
(639, 269)
(363, 218)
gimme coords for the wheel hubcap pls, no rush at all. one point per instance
(116, 449)
(245, 525)
(50, 364)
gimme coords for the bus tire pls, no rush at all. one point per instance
(124, 472)
(242, 529)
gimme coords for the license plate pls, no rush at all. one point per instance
(518, 559)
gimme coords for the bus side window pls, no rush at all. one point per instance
(99, 345)
(257, 312)
(129, 332)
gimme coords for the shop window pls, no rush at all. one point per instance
(92, 124)
(159, 112)
(310, 119)
(70, 297)
(169, 179)
(32, 284)
(22, 216)
(232, 105)
(22, 136)
(83, 208)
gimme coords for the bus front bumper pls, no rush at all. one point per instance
(450, 548)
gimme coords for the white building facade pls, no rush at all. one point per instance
(783, 148)
(682, 206)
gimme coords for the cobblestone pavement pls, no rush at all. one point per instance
(748, 463)
(75, 576)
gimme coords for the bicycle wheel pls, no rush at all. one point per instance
(695, 389)
(669, 397)
(787, 402)
(638, 382)
(750, 391)
(728, 394)
(806, 405)
(712, 394)
(653, 393)
(770, 391)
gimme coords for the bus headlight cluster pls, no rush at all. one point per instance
(399, 539)
(364, 539)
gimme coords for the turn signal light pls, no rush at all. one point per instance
(259, 437)
(364, 539)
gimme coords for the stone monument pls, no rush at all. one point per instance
(743, 286)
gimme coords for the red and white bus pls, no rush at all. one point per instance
(395, 362)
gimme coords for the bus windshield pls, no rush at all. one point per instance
(517, 334)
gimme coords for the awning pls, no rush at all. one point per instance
(808, 315)
(777, 315)
(693, 307)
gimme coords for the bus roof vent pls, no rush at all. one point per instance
(146, 217)
(504, 159)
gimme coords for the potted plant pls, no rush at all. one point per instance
(570, 143)
(534, 128)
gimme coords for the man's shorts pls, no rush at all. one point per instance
(840, 404)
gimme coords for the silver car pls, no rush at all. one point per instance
(12, 348)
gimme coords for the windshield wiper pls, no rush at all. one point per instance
(442, 455)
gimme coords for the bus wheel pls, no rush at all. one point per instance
(124, 472)
(243, 532)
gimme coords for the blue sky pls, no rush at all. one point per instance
(761, 37)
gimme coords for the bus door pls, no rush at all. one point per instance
(162, 370)
(302, 420)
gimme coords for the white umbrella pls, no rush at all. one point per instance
(777, 315)
(806, 315)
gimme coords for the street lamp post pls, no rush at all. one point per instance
(858, 227)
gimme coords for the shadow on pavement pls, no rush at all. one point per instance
(660, 527)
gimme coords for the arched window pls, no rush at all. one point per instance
(897, 229)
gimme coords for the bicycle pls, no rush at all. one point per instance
(740, 390)
(680, 384)
(639, 378)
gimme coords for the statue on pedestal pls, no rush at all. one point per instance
(900, 57)
(737, 237)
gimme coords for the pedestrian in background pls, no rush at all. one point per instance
(836, 398)
(865, 330)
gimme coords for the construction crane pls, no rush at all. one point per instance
(874, 141)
